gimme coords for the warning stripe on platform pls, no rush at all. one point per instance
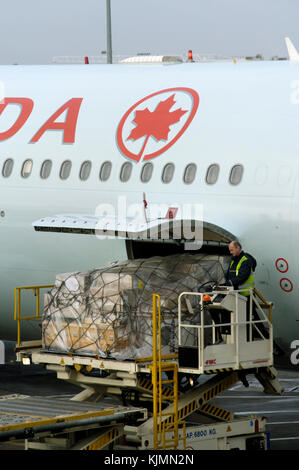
(216, 371)
(215, 411)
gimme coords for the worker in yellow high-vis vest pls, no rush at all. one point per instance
(240, 276)
(241, 268)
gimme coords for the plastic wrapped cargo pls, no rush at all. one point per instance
(108, 312)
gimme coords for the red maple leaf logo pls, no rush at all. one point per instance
(155, 123)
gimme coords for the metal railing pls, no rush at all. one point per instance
(17, 311)
(264, 303)
(166, 425)
(252, 324)
(163, 422)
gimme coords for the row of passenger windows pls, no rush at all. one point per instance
(212, 173)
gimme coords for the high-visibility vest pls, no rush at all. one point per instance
(249, 283)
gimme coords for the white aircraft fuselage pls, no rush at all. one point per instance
(226, 114)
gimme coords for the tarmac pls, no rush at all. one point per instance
(282, 411)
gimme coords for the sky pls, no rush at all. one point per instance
(35, 31)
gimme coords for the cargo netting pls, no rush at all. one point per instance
(108, 312)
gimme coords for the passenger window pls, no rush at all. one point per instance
(146, 172)
(212, 174)
(26, 168)
(236, 174)
(189, 174)
(168, 172)
(45, 169)
(65, 169)
(7, 167)
(105, 171)
(125, 172)
(85, 170)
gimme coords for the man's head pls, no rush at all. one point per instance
(235, 248)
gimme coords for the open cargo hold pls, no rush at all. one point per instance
(108, 312)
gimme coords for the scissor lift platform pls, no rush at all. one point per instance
(244, 349)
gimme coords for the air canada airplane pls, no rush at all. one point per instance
(82, 144)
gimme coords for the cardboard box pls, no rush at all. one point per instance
(105, 304)
(108, 284)
(99, 338)
(59, 335)
(73, 282)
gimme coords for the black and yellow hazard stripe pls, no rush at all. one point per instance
(216, 412)
(103, 440)
(167, 392)
(221, 386)
(188, 409)
(198, 404)
(145, 383)
(183, 412)
(216, 371)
